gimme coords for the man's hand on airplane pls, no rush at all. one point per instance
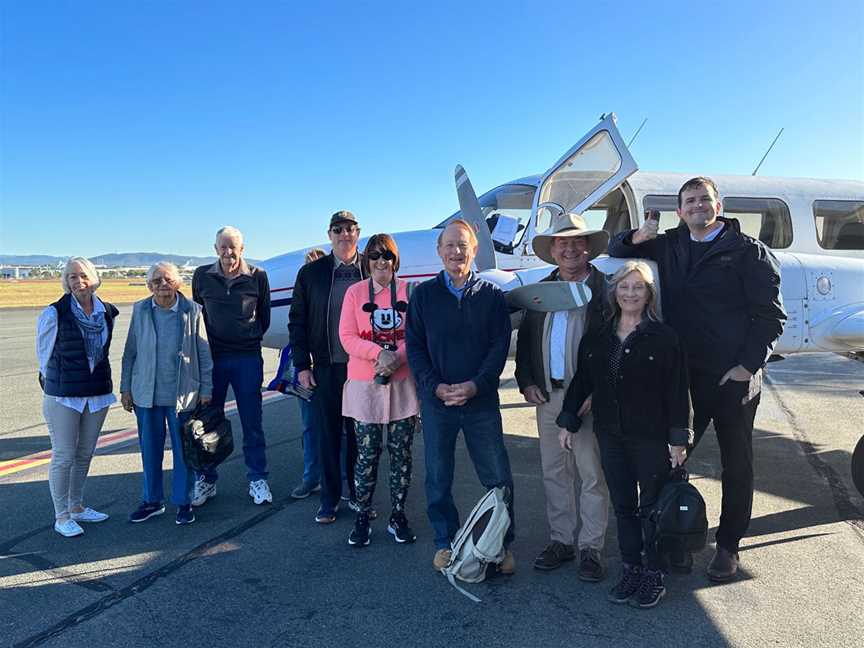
(647, 232)
(306, 379)
(533, 394)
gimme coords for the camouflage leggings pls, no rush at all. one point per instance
(400, 434)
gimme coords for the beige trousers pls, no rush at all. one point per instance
(560, 471)
(73, 441)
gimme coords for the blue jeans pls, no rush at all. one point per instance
(484, 438)
(152, 422)
(244, 373)
(311, 467)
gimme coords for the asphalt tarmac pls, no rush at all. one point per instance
(245, 575)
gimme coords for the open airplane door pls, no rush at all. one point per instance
(597, 164)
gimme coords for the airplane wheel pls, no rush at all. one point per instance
(858, 466)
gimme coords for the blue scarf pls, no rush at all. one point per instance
(91, 328)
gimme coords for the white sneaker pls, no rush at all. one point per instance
(260, 491)
(202, 491)
(89, 515)
(68, 528)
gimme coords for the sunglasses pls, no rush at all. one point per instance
(387, 255)
(348, 229)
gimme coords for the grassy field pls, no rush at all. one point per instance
(37, 293)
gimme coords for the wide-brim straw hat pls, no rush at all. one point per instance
(566, 225)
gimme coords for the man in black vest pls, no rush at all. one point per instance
(320, 359)
(721, 294)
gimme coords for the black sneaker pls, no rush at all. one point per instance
(554, 555)
(650, 590)
(146, 510)
(631, 576)
(399, 529)
(359, 536)
(185, 515)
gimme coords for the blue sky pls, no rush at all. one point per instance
(144, 126)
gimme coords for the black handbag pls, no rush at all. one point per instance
(207, 438)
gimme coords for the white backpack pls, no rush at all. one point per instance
(479, 542)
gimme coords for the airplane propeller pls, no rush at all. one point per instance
(473, 213)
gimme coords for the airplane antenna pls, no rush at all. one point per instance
(638, 130)
(767, 152)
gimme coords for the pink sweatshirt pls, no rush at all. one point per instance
(356, 330)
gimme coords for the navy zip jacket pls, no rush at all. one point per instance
(451, 341)
(727, 309)
(236, 312)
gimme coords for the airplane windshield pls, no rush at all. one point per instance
(589, 167)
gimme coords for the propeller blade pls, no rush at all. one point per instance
(550, 296)
(472, 213)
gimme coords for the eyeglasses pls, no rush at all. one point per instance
(160, 280)
(348, 229)
(387, 255)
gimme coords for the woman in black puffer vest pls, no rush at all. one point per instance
(73, 337)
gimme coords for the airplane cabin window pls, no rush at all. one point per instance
(766, 219)
(839, 224)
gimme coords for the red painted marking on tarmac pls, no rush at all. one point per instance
(105, 440)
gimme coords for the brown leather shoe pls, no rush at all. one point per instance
(507, 567)
(554, 555)
(592, 569)
(441, 559)
(723, 566)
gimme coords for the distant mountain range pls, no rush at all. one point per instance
(110, 260)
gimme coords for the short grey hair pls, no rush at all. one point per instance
(230, 232)
(89, 270)
(164, 265)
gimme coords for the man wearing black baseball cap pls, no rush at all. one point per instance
(318, 355)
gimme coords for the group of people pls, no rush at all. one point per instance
(179, 353)
(622, 395)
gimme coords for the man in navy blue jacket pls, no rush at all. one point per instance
(457, 339)
(721, 294)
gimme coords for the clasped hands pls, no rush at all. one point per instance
(458, 394)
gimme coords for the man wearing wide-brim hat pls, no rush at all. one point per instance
(546, 353)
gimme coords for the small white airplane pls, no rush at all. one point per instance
(814, 227)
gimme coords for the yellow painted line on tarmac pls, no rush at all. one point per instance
(12, 466)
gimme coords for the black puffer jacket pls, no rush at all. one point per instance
(308, 319)
(727, 308)
(650, 397)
